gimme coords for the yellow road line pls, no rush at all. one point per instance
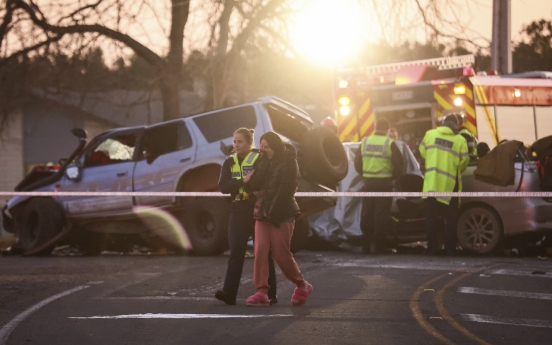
(415, 308)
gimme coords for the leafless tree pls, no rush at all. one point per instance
(234, 28)
(31, 26)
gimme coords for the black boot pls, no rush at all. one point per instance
(273, 299)
(226, 296)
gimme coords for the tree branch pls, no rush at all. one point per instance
(25, 51)
(7, 20)
(145, 53)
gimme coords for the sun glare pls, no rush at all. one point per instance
(328, 31)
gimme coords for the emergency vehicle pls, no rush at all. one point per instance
(415, 95)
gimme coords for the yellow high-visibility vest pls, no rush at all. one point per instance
(446, 158)
(376, 156)
(240, 171)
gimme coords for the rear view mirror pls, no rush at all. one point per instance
(73, 173)
(79, 133)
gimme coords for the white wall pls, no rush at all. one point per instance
(11, 154)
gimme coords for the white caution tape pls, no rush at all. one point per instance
(299, 194)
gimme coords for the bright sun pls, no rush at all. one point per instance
(328, 31)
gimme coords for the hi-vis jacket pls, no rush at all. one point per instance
(376, 156)
(446, 158)
(240, 171)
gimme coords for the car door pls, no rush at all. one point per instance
(106, 166)
(165, 150)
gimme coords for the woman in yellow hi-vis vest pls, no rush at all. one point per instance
(234, 177)
(446, 158)
(379, 161)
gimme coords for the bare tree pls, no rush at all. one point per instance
(124, 28)
(446, 20)
(34, 25)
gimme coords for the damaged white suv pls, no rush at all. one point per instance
(183, 155)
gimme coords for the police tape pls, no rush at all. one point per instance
(298, 194)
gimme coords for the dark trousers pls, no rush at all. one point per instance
(435, 209)
(240, 229)
(376, 212)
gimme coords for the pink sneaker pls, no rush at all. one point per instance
(259, 299)
(300, 296)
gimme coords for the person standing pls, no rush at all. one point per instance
(446, 158)
(275, 213)
(393, 133)
(471, 140)
(234, 179)
(379, 161)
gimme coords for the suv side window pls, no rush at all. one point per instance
(222, 124)
(112, 150)
(166, 138)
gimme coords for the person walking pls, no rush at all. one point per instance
(275, 213)
(234, 178)
(379, 161)
(446, 158)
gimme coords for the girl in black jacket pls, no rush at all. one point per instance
(275, 212)
(242, 223)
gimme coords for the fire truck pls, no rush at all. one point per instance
(414, 96)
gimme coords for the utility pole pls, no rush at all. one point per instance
(501, 45)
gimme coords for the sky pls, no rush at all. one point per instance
(329, 31)
(523, 12)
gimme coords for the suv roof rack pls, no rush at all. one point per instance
(448, 62)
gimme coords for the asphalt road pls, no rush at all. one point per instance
(357, 299)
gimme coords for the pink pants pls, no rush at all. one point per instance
(270, 238)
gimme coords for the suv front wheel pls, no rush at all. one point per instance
(206, 222)
(41, 221)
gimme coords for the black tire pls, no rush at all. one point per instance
(300, 235)
(479, 230)
(42, 219)
(206, 222)
(325, 160)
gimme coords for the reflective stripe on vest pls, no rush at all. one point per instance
(239, 172)
(376, 156)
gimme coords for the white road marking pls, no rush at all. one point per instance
(507, 321)
(526, 273)
(177, 316)
(504, 293)
(10, 326)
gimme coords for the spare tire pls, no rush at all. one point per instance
(325, 160)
